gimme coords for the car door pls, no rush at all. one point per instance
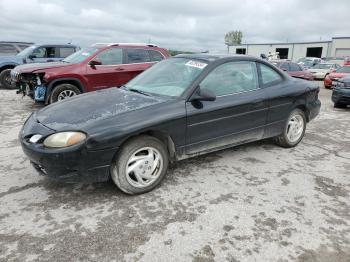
(110, 71)
(279, 101)
(237, 115)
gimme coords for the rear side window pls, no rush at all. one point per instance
(285, 66)
(137, 56)
(66, 51)
(295, 67)
(268, 75)
(6, 49)
(155, 55)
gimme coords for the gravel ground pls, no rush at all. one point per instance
(256, 202)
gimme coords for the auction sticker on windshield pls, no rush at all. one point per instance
(196, 64)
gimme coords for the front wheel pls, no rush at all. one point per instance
(5, 79)
(294, 129)
(63, 91)
(140, 166)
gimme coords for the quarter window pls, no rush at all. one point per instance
(138, 56)
(268, 75)
(113, 56)
(156, 56)
(230, 78)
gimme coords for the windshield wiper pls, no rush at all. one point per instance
(137, 91)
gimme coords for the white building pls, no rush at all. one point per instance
(337, 47)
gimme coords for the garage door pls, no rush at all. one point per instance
(342, 52)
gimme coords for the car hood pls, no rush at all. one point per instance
(80, 112)
(319, 70)
(32, 68)
(11, 59)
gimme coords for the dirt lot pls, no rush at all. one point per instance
(256, 202)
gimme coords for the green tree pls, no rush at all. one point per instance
(233, 38)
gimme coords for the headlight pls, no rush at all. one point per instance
(64, 139)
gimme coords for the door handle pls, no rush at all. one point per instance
(119, 69)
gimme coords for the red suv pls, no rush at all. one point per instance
(97, 67)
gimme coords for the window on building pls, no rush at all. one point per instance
(283, 52)
(314, 52)
(241, 51)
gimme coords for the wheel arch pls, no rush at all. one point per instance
(7, 66)
(73, 81)
(160, 135)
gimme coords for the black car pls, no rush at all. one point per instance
(341, 92)
(179, 108)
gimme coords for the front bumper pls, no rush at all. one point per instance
(341, 95)
(71, 164)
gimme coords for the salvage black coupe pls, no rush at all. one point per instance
(181, 107)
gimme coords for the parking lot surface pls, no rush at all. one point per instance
(256, 202)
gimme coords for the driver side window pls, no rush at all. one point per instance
(39, 52)
(231, 78)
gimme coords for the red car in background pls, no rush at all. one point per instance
(293, 69)
(347, 61)
(339, 73)
(97, 67)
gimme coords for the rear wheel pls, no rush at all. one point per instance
(294, 130)
(141, 165)
(63, 91)
(5, 79)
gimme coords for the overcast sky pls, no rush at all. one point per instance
(195, 25)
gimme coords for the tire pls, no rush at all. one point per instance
(145, 149)
(339, 105)
(294, 128)
(5, 79)
(63, 91)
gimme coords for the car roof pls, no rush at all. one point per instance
(57, 45)
(14, 42)
(214, 57)
(102, 45)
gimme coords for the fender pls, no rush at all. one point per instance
(7, 65)
(68, 79)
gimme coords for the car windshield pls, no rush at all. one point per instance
(170, 77)
(344, 69)
(27, 51)
(81, 55)
(322, 66)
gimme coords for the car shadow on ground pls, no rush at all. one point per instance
(105, 191)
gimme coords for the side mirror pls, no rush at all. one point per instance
(93, 63)
(203, 95)
(32, 57)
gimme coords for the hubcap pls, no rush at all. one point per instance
(144, 167)
(65, 94)
(295, 128)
